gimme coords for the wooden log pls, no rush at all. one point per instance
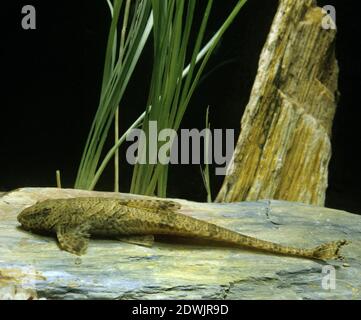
(284, 147)
(32, 266)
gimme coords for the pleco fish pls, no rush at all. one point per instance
(138, 221)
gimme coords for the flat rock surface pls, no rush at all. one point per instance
(32, 266)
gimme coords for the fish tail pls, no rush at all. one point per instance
(329, 250)
(326, 251)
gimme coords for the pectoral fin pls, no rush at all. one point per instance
(73, 239)
(141, 240)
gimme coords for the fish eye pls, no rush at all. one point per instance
(46, 210)
(42, 213)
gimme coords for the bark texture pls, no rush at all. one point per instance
(284, 147)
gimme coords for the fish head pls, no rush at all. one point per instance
(42, 216)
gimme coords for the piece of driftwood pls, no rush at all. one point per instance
(284, 147)
(32, 266)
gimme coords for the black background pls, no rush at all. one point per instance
(51, 80)
(258, 308)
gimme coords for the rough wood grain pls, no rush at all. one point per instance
(33, 266)
(284, 147)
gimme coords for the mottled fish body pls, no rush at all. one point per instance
(75, 220)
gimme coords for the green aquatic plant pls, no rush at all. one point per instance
(171, 91)
(120, 62)
(205, 172)
(172, 85)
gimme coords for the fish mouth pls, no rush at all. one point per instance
(20, 218)
(25, 228)
(23, 225)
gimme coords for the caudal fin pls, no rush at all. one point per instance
(329, 251)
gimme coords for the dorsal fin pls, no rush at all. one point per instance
(154, 205)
